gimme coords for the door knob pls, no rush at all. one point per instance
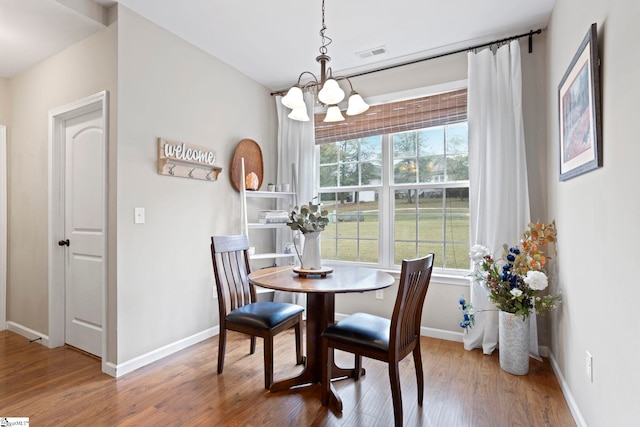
(63, 242)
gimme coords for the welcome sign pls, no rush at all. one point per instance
(186, 160)
(186, 152)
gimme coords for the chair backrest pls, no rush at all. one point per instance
(230, 255)
(407, 312)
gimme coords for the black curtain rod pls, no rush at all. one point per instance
(530, 34)
(508, 39)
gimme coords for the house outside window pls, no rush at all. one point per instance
(399, 189)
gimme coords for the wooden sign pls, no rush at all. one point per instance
(186, 160)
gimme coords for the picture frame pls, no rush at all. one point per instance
(579, 111)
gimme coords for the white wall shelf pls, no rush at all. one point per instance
(269, 194)
(247, 226)
(271, 256)
(261, 225)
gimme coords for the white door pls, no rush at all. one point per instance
(84, 210)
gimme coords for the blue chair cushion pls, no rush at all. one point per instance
(263, 315)
(363, 330)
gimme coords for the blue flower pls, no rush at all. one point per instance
(506, 267)
(511, 257)
(467, 316)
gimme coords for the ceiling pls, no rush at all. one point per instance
(274, 41)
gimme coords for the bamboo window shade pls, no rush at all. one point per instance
(393, 117)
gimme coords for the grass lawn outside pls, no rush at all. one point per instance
(418, 228)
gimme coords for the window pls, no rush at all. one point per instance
(398, 191)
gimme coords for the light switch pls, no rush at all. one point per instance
(138, 217)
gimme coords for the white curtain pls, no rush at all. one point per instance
(297, 146)
(296, 166)
(499, 193)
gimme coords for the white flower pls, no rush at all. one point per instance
(478, 252)
(536, 280)
(516, 292)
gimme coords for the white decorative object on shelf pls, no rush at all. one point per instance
(273, 217)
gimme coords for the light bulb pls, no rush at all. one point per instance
(356, 104)
(293, 99)
(299, 114)
(331, 93)
(333, 114)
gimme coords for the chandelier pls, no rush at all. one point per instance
(327, 90)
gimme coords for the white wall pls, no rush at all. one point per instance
(81, 70)
(169, 88)
(4, 101)
(596, 214)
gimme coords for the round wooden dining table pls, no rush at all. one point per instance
(320, 293)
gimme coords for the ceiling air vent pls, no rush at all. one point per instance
(376, 51)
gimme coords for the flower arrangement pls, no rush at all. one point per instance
(308, 218)
(468, 314)
(515, 280)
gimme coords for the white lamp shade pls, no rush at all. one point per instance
(333, 114)
(356, 104)
(331, 93)
(293, 99)
(299, 114)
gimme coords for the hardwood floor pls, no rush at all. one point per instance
(66, 387)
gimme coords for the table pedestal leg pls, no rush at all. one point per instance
(320, 315)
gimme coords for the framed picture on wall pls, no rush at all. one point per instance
(580, 112)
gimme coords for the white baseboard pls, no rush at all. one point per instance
(340, 316)
(138, 362)
(424, 331)
(112, 369)
(543, 351)
(441, 334)
(109, 368)
(566, 391)
(29, 333)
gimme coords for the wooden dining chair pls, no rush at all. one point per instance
(238, 306)
(388, 340)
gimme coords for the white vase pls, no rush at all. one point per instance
(513, 343)
(311, 252)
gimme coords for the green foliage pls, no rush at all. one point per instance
(308, 218)
(351, 162)
(432, 154)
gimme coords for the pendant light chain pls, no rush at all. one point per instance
(323, 49)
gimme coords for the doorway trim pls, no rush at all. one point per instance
(57, 118)
(3, 227)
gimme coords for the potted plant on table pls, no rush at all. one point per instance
(310, 220)
(514, 283)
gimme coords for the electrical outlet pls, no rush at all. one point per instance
(138, 216)
(589, 366)
(380, 294)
